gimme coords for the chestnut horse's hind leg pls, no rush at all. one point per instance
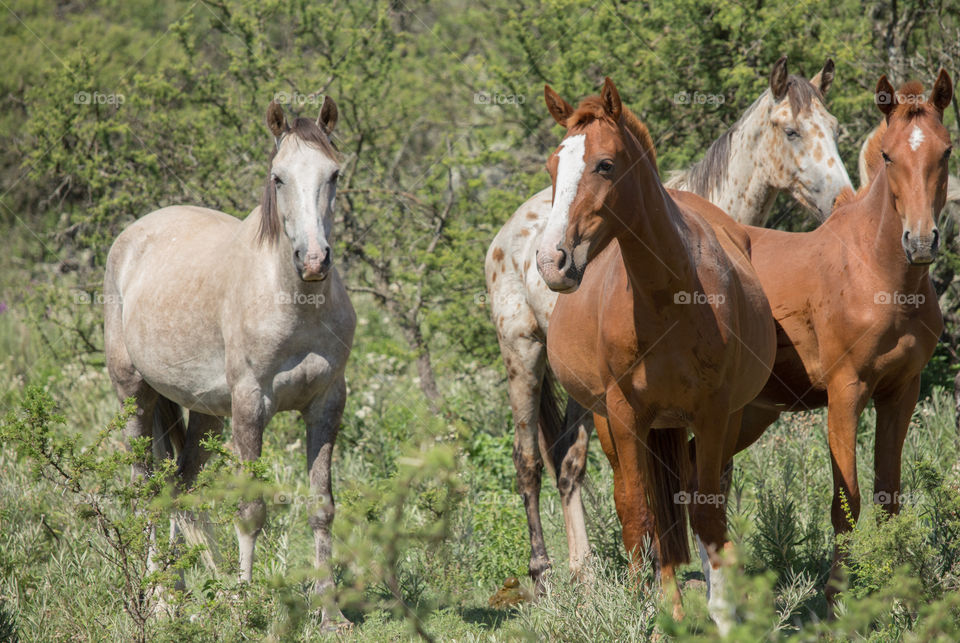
(525, 360)
(323, 423)
(847, 397)
(893, 420)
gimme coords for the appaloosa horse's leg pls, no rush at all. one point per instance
(525, 360)
(571, 453)
(847, 396)
(323, 422)
(893, 419)
(250, 416)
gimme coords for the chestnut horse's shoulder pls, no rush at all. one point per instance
(723, 225)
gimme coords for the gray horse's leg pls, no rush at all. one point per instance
(250, 415)
(323, 422)
(197, 529)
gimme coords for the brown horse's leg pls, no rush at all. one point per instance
(708, 514)
(846, 398)
(323, 423)
(755, 421)
(570, 457)
(893, 420)
(249, 418)
(525, 360)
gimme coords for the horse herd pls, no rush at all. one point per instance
(689, 320)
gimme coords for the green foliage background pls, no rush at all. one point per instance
(444, 134)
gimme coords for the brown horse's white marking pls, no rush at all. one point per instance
(239, 318)
(784, 141)
(668, 330)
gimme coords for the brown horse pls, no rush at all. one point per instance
(857, 316)
(668, 330)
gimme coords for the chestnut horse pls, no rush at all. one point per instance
(785, 140)
(668, 330)
(857, 315)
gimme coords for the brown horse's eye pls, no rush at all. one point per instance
(886, 159)
(605, 167)
(946, 154)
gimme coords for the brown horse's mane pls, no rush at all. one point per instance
(591, 109)
(308, 131)
(911, 104)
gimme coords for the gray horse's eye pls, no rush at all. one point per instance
(277, 181)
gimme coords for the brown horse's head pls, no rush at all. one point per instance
(604, 142)
(916, 148)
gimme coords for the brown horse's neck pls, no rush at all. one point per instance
(880, 232)
(648, 229)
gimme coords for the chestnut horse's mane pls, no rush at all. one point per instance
(591, 109)
(911, 104)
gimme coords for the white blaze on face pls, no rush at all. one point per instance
(916, 138)
(569, 171)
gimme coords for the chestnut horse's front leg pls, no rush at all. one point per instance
(893, 419)
(322, 418)
(847, 396)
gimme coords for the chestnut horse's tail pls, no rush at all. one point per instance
(554, 444)
(668, 471)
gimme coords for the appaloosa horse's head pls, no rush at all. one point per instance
(916, 149)
(300, 190)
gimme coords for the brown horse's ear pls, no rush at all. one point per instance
(558, 108)
(885, 96)
(942, 92)
(610, 98)
(276, 121)
(327, 119)
(824, 77)
(778, 78)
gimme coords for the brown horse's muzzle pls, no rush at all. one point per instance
(558, 270)
(921, 248)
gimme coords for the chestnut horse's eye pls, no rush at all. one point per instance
(605, 167)
(946, 154)
(886, 159)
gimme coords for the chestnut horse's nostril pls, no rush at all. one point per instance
(936, 240)
(562, 261)
(906, 236)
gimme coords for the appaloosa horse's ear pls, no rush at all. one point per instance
(327, 119)
(942, 92)
(276, 121)
(778, 78)
(824, 77)
(885, 96)
(558, 108)
(611, 99)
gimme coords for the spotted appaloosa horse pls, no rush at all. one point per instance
(239, 318)
(857, 316)
(784, 141)
(667, 331)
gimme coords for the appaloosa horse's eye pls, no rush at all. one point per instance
(791, 133)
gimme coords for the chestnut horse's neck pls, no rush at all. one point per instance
(878, 233)
(650, 231)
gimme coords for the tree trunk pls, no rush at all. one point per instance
(428, 383)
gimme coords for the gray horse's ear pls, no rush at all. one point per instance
(778, 78)
(824, 77)
(276, 121)
(327, 119)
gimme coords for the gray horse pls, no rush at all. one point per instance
(239, 318)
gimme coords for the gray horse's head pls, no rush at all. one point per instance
(301, 188)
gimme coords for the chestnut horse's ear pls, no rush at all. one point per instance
(327, 119)
(276, 121)
(942, 92)
(610, 98)
(558, 108)
(778, 78)
(824, 77)
(885, 96)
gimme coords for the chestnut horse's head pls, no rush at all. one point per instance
(916, 148)
(604, 142)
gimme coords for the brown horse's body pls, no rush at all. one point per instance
(668, 330)
(857, 315)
